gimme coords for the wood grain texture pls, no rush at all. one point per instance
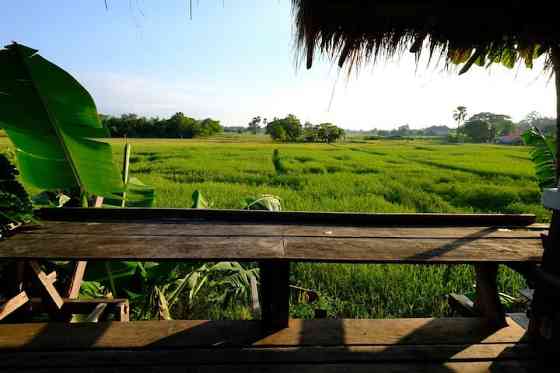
(234, 229)
(253, 242)
(12, 304)
(199, 333)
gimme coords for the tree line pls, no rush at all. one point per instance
(484, 127)
(489, 127)
(176, 126)
(290, 129)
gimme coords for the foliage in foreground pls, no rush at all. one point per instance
(53, 123)
(15, 206)
(543, 156)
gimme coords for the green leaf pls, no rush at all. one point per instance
(53, 123)
(542, 155)
(199, 202)
(264, 202)
(137, 194)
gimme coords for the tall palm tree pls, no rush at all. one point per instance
(459, 115)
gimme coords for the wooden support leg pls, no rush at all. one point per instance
(487, 302)
(73, 290)
(51, 297)
(275, 294)
(11, 305)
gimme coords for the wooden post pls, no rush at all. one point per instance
(73, 290)
(126, 166)
(11, 305)
(51, 297)
(487, 302)
(275, 294)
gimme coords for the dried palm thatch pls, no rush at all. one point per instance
(478, 32)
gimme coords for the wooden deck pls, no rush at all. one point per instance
(401, 345)
(490, 342)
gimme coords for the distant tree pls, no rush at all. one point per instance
(478, 131)
(254, 124)
(403, 130)
(534, 119)
(459, 115)
(328, 132)
(286, 129)
(177, 126)
(500, 124)
(310, 132)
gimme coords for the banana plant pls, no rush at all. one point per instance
(542, 155)
(53, 123)
(15, 207)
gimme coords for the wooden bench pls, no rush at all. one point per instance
(489, 342)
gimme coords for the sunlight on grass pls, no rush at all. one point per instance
(375, 176)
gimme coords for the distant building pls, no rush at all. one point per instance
(513, 138)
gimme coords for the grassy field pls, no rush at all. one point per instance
(376, 176)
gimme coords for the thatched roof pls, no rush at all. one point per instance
(462, 32)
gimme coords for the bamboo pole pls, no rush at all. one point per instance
(126, 167)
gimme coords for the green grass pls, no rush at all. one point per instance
(375, 176)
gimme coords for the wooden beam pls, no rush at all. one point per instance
(172, 246)
(50, 295)
(73, 290)
(275, 294)
(122, 312)
(119, 306)
(265, 217)
(461, 304)
(416, 357)
(97, 312)
(177, 334)
(12, 304)
(487, 302)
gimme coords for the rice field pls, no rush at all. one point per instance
(360, 176)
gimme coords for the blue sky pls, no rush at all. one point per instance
(235, 60)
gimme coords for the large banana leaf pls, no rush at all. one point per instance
(54, 125)
(542, 155)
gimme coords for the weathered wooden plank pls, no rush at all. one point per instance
(392, 367)
(73, 290)
(225, 229)
(11, 305)
(159, 214)
(275, 294)
(118, 306)
(160, 247)
(381, 250)
(191, 333)
(461, 304)
(51, 297)
(271, 355)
